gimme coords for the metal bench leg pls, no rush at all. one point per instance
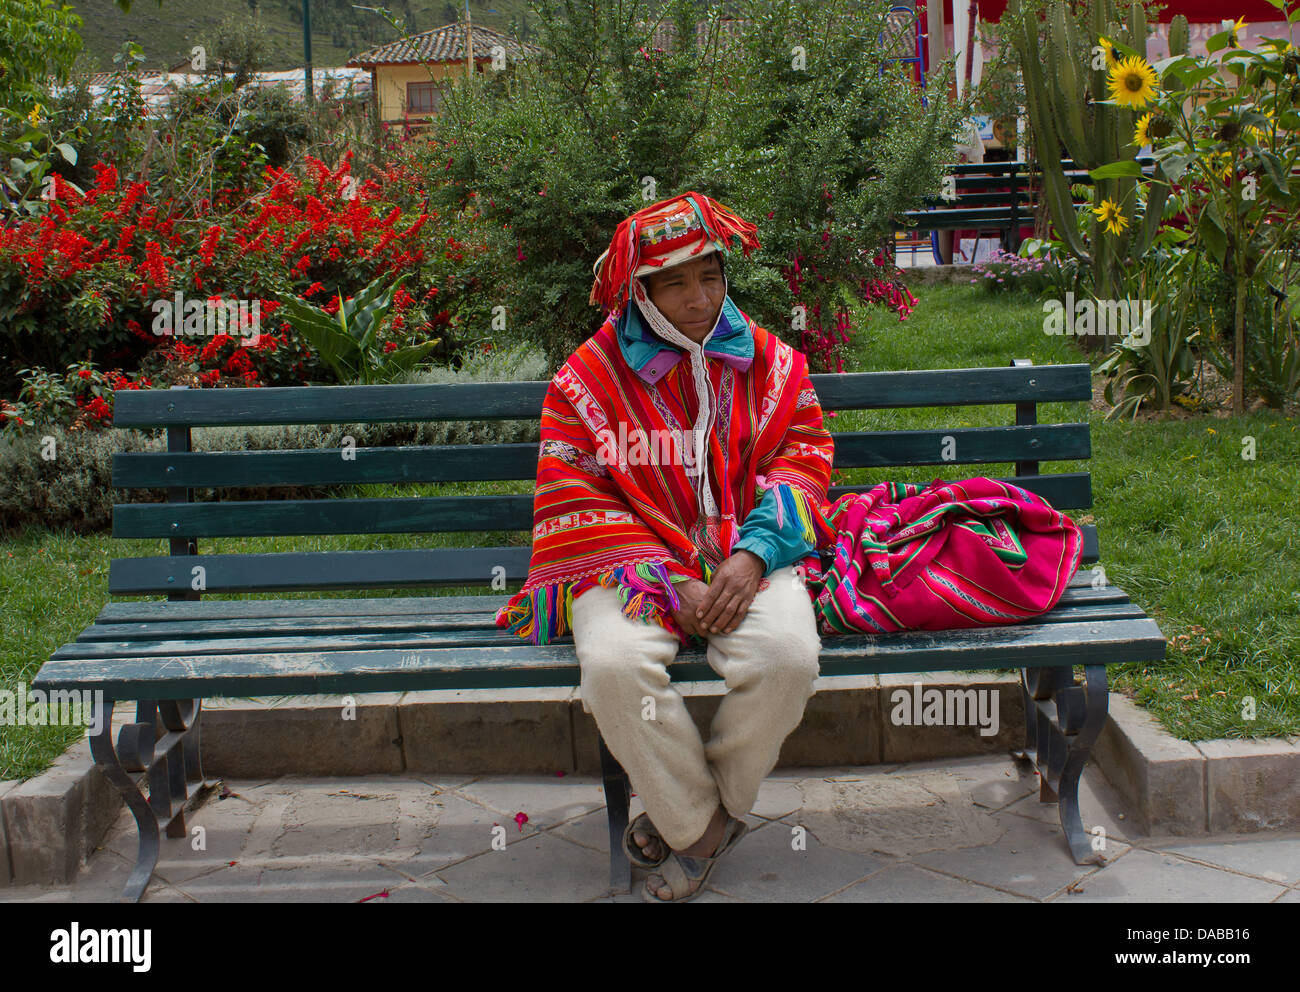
(1062, 721)
(170, 763)
(618, 792)
(146, 825)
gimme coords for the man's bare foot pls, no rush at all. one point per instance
(705, 847)
(652, 847)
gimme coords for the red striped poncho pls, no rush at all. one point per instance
(626, 517)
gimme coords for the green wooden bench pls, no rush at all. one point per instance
(168, 655)
(993, 196)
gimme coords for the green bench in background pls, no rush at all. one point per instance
(168, 655)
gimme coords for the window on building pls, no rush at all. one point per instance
(422, 98)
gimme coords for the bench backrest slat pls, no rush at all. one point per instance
(523, 400)
(325, 570)
(518, 462)
(415, 515)
(299, 571)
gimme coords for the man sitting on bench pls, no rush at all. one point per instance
(682, 479)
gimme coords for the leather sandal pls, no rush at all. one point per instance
(642, 825)
(679, 870)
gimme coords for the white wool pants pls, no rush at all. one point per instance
(768, 664)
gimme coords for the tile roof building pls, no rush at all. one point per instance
(407, 74)
(444, 44)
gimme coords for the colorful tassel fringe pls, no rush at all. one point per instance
(815, 529)
(546, 613)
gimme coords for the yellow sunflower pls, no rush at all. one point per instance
(1109, 216)
(1142, 134)
(34, 118)
(1236, 28)
(1132, 82)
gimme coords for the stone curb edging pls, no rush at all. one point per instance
(1220, 786)
(50, 824)
(545, 730)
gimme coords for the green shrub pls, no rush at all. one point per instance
(71, 489)
(74, 489)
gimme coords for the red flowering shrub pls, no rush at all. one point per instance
(98, 274)
(824, 344)
(81, 398)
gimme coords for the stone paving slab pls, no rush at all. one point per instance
(783, 861)
(1152, 876)
(909, 883)
(1271, 860)
(963, 830)
(1028, 858)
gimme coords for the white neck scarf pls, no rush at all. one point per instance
(703, 393)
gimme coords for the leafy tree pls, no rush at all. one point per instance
(823, 151)
(39, 43)
(239, 44)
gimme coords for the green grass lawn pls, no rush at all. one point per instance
(1202, 539)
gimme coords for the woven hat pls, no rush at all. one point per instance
(680, 229)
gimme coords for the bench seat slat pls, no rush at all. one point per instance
(518, 462)
(324, 639)
(1020, 646)
(256, 609)
(216, 631)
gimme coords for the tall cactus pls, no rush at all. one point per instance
(1061, 85)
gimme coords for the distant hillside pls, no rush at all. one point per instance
(339, 30)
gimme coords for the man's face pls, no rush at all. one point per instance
(690, 295)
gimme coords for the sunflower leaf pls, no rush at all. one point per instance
(1117, 170)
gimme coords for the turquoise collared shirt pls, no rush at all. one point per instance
(651, 358)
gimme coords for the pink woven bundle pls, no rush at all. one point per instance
(959, 554)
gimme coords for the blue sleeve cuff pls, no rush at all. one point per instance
(756, 545)
(778, 544)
